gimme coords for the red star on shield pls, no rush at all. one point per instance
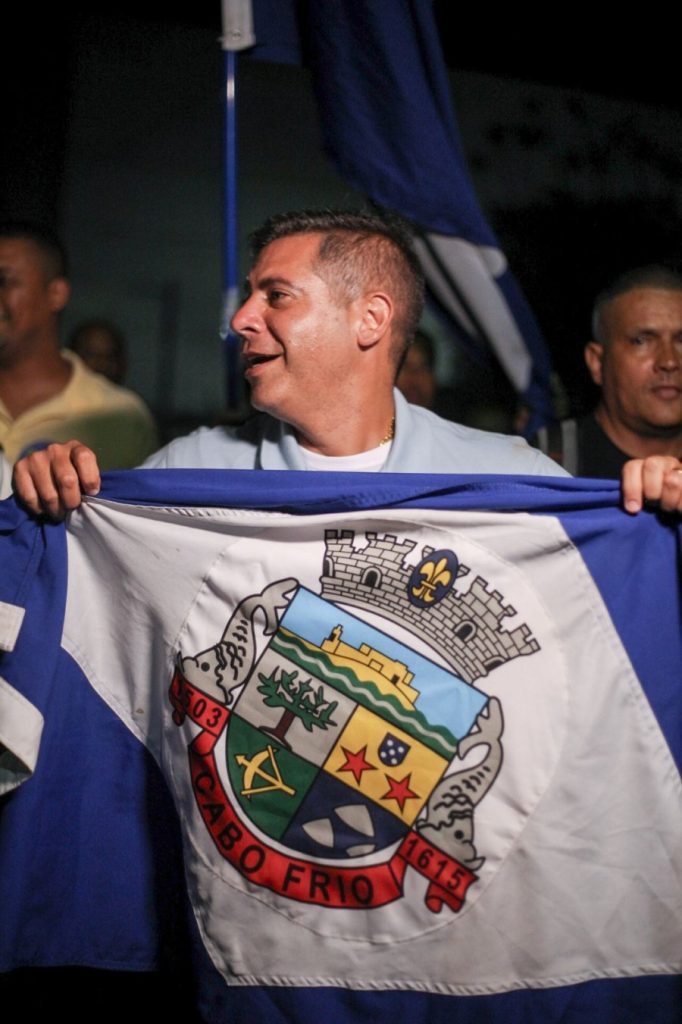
(400, 791)
(356, 763)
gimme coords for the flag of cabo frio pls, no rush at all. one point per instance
(424, 756)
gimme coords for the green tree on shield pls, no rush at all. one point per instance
(299, 700)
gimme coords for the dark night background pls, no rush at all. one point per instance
(563, 242)
(574, 146)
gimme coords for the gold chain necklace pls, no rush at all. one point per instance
(388, 436)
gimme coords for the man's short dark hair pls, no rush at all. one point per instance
(655, 275)
(359, 251)
(46, 240)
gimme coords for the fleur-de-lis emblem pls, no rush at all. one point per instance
(435, 574)
(433, 578)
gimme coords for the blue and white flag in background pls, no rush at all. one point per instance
(389, 126)
(422, 740)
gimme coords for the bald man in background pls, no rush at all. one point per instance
(635, 359)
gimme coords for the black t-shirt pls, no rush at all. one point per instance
(597, 454)
(582, 448)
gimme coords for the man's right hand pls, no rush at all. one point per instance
(54, 479)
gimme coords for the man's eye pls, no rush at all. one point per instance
(276, 295)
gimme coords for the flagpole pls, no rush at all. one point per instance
(237, 35)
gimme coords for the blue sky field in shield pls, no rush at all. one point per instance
(444, 697)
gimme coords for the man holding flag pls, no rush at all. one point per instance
(327, 316)
(333, 301)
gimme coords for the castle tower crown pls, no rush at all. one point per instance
(467, 629)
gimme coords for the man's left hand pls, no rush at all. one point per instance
(657, 478)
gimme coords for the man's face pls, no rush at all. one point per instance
(297, 341)
(639, 368)
(29, 300)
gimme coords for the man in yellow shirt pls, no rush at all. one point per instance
(47, 393)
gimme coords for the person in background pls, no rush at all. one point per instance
(416, 377)
(332, 302)
(635, 359)
(47, 394)
(102, 347)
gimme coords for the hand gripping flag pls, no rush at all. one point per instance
(418, 738)
(389, 126)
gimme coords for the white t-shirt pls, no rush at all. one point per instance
(364, 462)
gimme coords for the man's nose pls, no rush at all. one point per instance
(247, 318)
(669, 353)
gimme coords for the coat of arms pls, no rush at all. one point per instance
(344, 746)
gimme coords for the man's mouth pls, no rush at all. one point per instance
(667, 392)
(254, 359)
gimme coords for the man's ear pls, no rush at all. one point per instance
(594, 359)
(59, 292)
(376, 317)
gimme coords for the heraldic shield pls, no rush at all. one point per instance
(327, 749)
(330, 756)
